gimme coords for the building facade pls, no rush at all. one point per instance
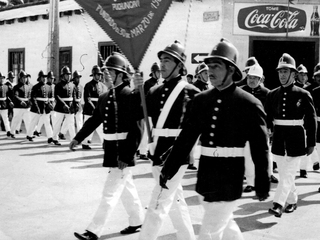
(264, 29)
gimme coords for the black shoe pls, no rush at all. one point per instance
(89, 141)
(303, 174)
(87, 147)
(61, 136)
(30, 139)
(35, 133)
(56, 142)
(316, 166)
(290, 208)
(50, 140)
(273, 179)
(86, 236)
(191, 167)
(8, 134)
(319, 189)
(276, 210)
(131, 229)
(248, 189)
(17, 131)
(143, 157)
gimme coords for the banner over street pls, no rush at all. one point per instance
(130, 24)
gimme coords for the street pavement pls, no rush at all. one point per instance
(48, 192)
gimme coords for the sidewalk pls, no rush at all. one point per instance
(48, 192)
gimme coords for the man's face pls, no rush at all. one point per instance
(49, 80)
(23, 80)
(66, 77)
(302, 77)
(42, 79)
(218, 74)
(167, 65)
(1, 80)
(97, 77)
(253, 81)
(204, 76)
(317, 79)
(76, 80)
(286, 76)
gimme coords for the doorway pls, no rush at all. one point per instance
(269, 50)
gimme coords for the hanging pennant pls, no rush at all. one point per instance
(130, 24)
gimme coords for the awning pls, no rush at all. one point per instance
(37, 10)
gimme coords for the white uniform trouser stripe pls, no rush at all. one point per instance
(57, 119)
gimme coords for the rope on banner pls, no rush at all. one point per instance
(90, 34)
(187, 27)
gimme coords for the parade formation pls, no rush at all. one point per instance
(243, 131)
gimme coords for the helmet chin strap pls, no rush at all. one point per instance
(172, 71)
(225, 76)
(288, 81)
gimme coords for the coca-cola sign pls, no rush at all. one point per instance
(272, 19)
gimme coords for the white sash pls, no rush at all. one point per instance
(165, 111)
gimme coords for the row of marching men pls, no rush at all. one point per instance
(57, 107)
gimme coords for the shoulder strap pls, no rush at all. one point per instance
(165, 111)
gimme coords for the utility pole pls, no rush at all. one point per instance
(53, 39)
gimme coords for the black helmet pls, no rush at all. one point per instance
(10, 75)
(50, 75)
(226, 51)
(286, 61)
(250, 62)
(154, 68)
(41, 74)
(116, 61)
(65, 70)
(96, 70)
(23, 74)
(316, 70)
(176, 50)
(76, 74)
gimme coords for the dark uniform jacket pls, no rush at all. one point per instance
(259, 92)
(316, 100)
(78, 97)
(128, 113)
(148, 84)
(22, 91)
(155, 101)
(200, 85)
(64, 90)
(51, 99)
(291, 103)
(227, 118)
(40, 90)
(92, 89)
(4, 93)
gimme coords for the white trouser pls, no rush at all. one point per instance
(78, 117)
(143, 147)
(40, 123)
(286, 189)
(167, 201)
(119, 184)
(35, 119)
(218, 222)
(5, 119)
(249, 165)
(20, 114)
(99, 130)
(57, 119)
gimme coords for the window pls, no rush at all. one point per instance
(106, 48)
(65, 57)
(16, 61)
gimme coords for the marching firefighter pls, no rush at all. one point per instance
(291, 118)
(225, 118)
(201, 75)
(64, 93)
(119, 111)
(167, 106)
